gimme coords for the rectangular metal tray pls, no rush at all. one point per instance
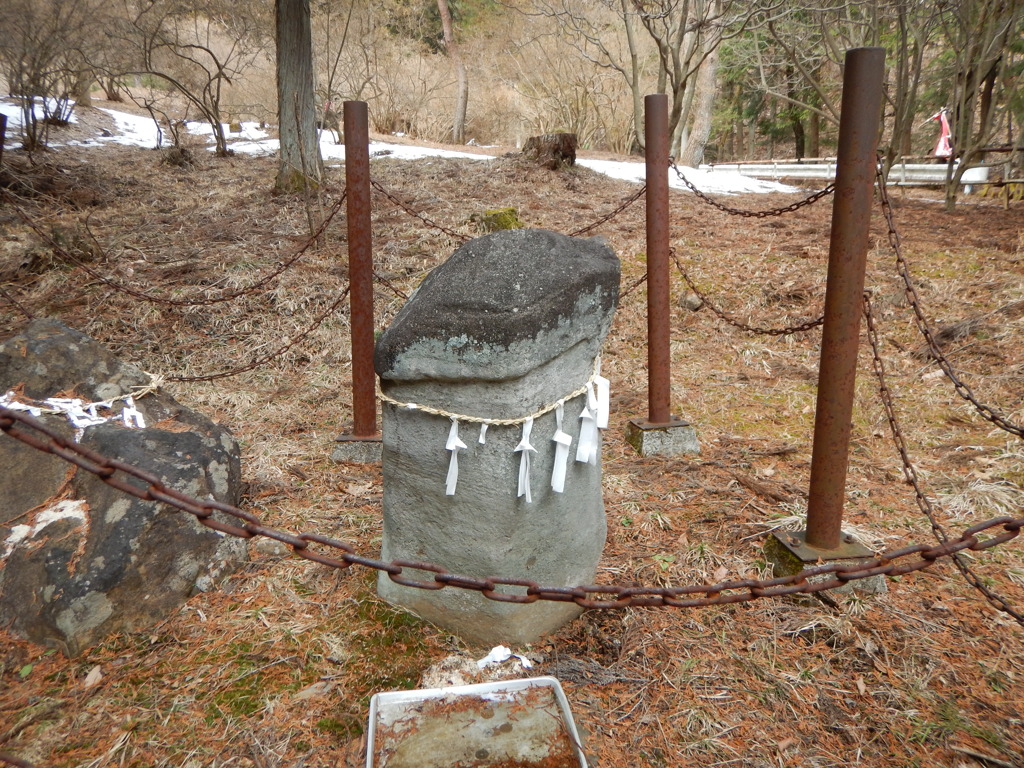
(517, 722)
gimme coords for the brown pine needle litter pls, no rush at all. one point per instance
(276, 669)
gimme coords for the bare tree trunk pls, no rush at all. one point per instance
(82, 92)
(704, 106)
(299, 166)
(814, 135)
(462, 81)
(795, 120)
(632, 76)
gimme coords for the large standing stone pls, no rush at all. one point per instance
(510, 323)
(80, 560)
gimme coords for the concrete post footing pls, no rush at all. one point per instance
(789, 554)
(358, 450)
(672, 439)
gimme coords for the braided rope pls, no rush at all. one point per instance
(496, 422)
(156, 381)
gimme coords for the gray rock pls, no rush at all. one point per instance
(691, 301)
(509, 324)
(80, 560)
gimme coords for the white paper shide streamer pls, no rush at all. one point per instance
(586, 451)
(132, 416)
(454, 445)
(562, 440)
(82, 414)
(525, 449)
(593, 418)
(603, 387)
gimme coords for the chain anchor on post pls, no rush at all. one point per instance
(364, 443)
(661, 433)
(824, 539)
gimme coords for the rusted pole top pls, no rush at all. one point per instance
(360, 267)
(659, 377)
(851, 217)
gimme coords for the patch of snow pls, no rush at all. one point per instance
(251, 131)
(131, 130)
(12, 108)
(136, 130)
(717, 182)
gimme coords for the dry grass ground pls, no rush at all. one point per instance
(276, 668)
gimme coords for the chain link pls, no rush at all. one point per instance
(910, 473)
(903, 268)
(331, 309)
(809, 200)
(510, 590)
(636, 284)
(787, 331)
(609, 216)
(421, 216)
(464, 238)
(119, 287)
(390, 285)
(15, 303)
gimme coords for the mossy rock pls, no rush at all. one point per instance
(494, 219)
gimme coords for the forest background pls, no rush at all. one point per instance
(746, 80)
(277, 667)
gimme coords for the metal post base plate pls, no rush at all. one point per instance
(789, 554)
(849, 548)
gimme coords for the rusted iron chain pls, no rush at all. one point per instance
(609, 216)
(809, 200)
(910, 473)
(391, 286)
(464, 238)
(199, 302)
(339, 554)
(903, 269)
(421, 216)
(277, 352)
(636, 284)
(15, 303)
(787, 331)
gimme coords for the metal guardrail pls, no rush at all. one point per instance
(901, 174)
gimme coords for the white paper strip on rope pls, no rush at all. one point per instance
(132, 416)
(563, 441)
(594, 417)
(525, 449)
(81, 414)
(454, 445)
(603, 401)
(586, 451)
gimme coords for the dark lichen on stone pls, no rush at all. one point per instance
(504, 289)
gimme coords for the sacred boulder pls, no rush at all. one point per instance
(80, 560)
(493, 405)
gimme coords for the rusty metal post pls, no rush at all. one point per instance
(360, 267)
(851, 218)
(661, 433)
(659, 378)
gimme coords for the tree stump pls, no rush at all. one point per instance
(552, 150)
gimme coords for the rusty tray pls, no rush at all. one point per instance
(507, 724)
